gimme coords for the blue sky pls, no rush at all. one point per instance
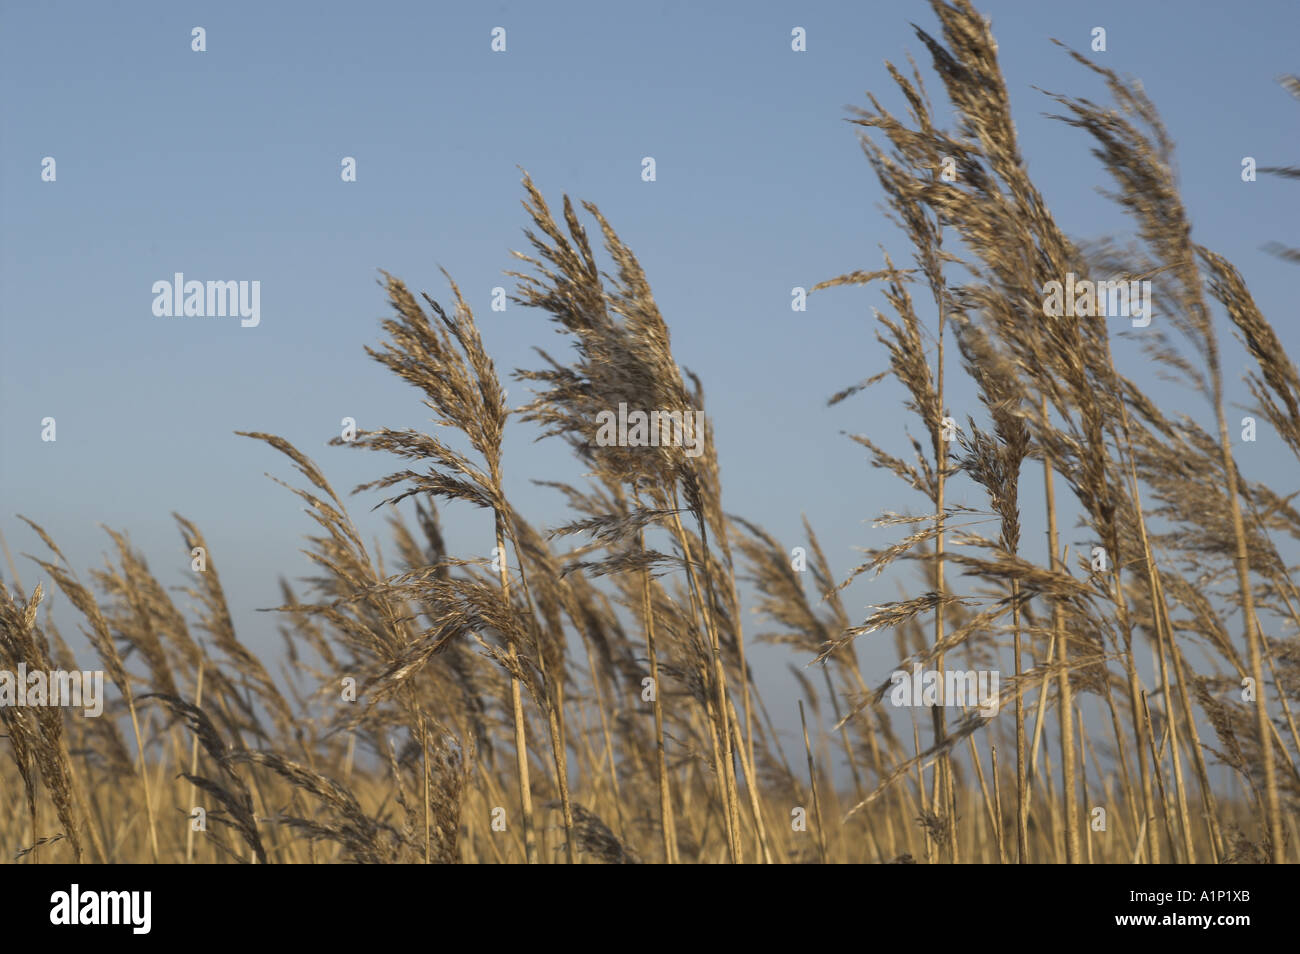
(225, 165)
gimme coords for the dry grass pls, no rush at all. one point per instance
(594, 703)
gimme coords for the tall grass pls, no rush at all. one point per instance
(582, 693)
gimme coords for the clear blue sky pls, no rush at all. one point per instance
(225, 165)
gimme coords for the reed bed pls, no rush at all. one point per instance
(581, 694)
